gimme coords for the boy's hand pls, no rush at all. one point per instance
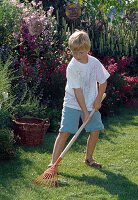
(86, 116)
(97, 104)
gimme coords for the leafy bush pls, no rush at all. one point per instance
(100, 10)
(36, 54)
(5, 119)
(9, 14)
(121, 87)
(7, 140)
(31, 107)
(4, 80)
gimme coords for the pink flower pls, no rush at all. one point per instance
(39, 3)
(130, 79)
(33, 3)
(68, 33)
(21, 39)
(29, 71)
(129, 58)
(28, 63)
(13, 34)
(25, 10)
(42, 70)
(49, 12)
(112, 60)
(20, 5)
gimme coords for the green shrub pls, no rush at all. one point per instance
(31, 107)
(9, 14)
(5, 118)
(4, 80)
(7, 140)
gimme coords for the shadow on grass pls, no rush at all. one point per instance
(10, 171)
(115, 184)
(14, 179)
(3, 197)
(46, 146)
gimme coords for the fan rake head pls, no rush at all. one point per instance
(48, 176)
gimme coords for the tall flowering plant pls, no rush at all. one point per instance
(36, 47)
(28, 39)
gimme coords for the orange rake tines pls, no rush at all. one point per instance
(49, 175)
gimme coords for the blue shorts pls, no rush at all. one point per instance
(70, 121)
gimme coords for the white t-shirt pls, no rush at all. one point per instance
(84, 76)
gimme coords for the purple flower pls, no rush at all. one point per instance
(116, 37)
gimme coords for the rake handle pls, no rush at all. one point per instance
(78, 132)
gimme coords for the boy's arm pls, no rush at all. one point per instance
(101, 90)
(80, 99)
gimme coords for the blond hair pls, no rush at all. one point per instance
(79, 40)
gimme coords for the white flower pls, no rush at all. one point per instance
(5, 95)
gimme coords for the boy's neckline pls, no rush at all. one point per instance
(85, 62)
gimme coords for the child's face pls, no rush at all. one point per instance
(80, 56)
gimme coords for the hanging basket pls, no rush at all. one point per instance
(31, 131)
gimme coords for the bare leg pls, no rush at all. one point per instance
(59, 145)
(91, 143)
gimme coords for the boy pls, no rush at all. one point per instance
(81, 96)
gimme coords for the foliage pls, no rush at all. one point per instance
(7, 137)
(58, 4)
(36, 53)
(6, 76)
(4, 82)
(9, 14)
(7, 140)
(5, 118)
(109, 26)
(121, 87)
(29, 106)
(41, 60)
(99, 11)
(116, 41)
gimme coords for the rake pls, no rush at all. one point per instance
(50, 175)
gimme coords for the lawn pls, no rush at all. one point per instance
(116, 150)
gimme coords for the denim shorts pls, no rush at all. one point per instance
(70, 121)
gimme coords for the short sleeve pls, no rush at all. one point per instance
(72, 78)
(101, 73)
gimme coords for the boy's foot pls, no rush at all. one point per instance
(91, 162)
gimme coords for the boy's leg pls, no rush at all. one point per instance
(69, 124)
(91, 144)
(59, 145)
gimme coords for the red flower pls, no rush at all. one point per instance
(29, 70)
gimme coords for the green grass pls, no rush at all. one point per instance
(117, 180)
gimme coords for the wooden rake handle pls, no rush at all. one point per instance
(78, 132)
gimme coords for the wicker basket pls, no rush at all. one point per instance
(31, 131)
